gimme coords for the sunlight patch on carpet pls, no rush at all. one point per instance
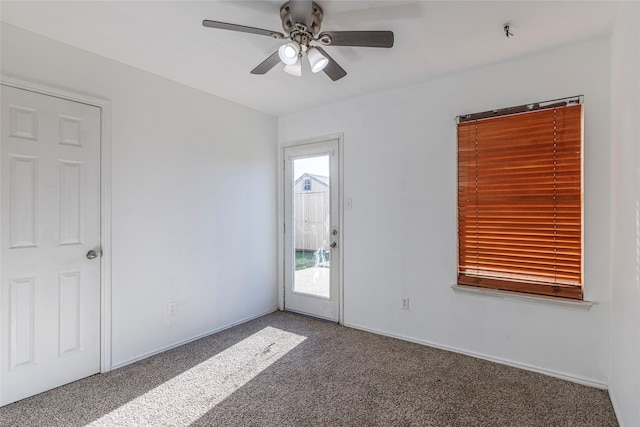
(190, 395)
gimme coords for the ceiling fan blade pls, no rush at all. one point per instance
(267, 64)
(357, 38)
(242, 29)
(301, 11)
(333, 70)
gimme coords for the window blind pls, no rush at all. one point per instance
(520, 202)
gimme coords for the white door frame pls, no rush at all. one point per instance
(105, 200)
(281, 215)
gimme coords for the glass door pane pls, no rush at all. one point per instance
(312, 226)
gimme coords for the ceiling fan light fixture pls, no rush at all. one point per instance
(294, 69)
(301, 22)
(317, 60)
(289, 53)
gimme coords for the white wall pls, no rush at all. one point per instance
(625, 208)
(400, 235)
(193, 193)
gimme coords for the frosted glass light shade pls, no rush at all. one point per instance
(294, 69)
(288, 53)
(317, 60)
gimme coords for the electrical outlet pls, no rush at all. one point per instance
(172, 309)
(405, 303)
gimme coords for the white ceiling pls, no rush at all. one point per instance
(431, 39)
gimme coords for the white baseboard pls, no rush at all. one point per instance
(552, 373)
(616, 408)
(526, 367)
(188, 340)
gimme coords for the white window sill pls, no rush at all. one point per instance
(566, 302)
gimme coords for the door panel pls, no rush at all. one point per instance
(312, 268)
(50, 219)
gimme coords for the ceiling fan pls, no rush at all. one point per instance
(301, 20)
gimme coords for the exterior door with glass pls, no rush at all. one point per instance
(312, 250)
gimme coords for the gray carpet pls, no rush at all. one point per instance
(289, 370)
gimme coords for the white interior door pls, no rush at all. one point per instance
(312, 234)
(50, 238)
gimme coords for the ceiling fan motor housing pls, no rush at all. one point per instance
(290, 27)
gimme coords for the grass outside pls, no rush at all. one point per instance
(307, 259)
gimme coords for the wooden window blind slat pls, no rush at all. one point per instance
(520, 202)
